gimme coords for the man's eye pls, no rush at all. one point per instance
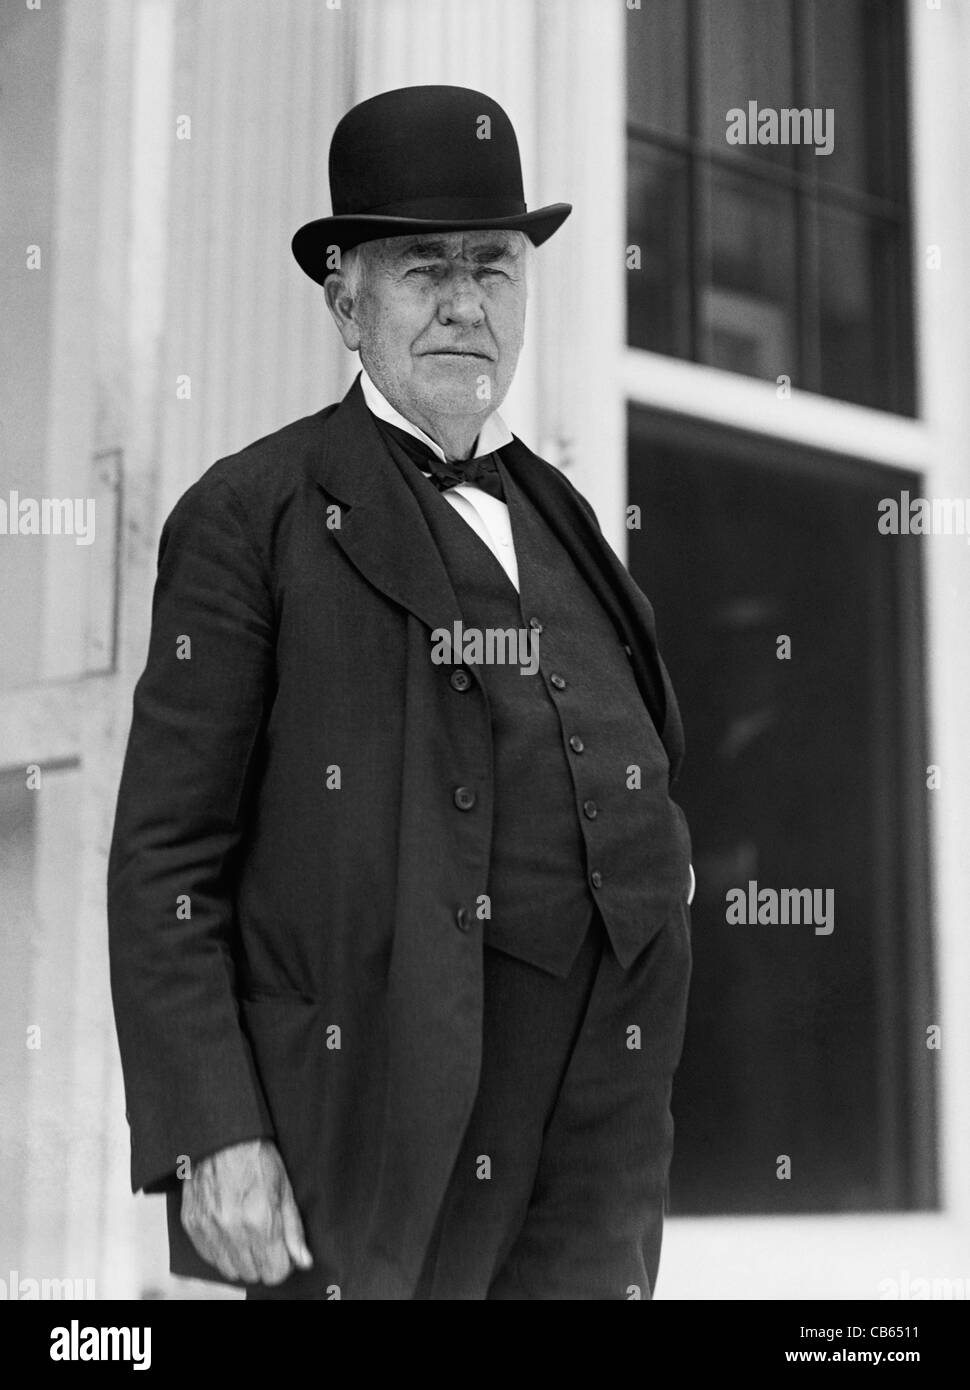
(423, 270)
(490, 270)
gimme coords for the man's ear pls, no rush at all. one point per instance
(342, 306)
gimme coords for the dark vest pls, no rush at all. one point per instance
(582, 814)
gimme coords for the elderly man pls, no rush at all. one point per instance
(397, 891)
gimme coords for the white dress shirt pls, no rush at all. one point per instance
(488, 516)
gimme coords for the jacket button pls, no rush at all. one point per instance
(590, 810)
(465, 798)
(462, 920)
(628, 650)
(576, 743)
(535, 624)
(460, 680)
(558, 682)
(596, 879)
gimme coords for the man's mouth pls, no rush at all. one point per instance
(457, 352)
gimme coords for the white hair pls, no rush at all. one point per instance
(354, 263)
(353, 267)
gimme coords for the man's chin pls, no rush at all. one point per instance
(456, 387)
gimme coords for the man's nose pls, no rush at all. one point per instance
(461, 301)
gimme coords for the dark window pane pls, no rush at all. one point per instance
(747, 306)
(658, 292)
(748, 264)
(863, 310)
(747, 56)
(858, 73)
(806, 772)
(656, 65)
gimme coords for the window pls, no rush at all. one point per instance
(801, 772)
(770, 259)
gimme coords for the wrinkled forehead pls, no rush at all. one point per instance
(476, 246)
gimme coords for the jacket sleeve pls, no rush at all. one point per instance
(199, 709)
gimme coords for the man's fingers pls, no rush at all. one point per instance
(293, 1237)
(240, 1255)
(216, 1251)
(229, 1251)
(234, 1255)
(233, 1270)
(273, 1263)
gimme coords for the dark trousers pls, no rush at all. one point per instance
(558, 1189)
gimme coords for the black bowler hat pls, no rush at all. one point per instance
(422, 159)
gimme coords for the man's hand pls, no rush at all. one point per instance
(240, 1214)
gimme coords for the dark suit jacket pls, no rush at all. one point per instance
(286, 869)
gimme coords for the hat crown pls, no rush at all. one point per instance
(414, 150)
(421, 159)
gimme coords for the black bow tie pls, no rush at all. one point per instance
(479, 472)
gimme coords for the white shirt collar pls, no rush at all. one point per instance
(493, 435)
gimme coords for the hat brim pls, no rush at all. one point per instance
(313, 243)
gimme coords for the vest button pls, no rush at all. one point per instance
(558, 682)
(460, 680)
(465, 798)
(596, 879)
(462, 920)
(576, 743)
(535, 624)
(590, 810)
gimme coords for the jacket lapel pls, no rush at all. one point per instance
(382, 530)
(559, 505)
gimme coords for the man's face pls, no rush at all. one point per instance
(440, 319)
